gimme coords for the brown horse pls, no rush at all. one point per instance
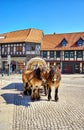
(32, 81)
(26, 84)
(53, 78)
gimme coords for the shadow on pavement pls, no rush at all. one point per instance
(17, 86)
(16, 99)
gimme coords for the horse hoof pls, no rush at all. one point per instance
(38, 98)
(33, 99)
(56, 99)
(49, 99)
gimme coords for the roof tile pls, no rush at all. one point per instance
(27, 35)
(53, 41)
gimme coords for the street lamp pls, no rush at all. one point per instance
(9, 61)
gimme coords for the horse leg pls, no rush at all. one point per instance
(56, 94)
(29, 90)
(25, 88)
(49, 94)
(33, 94)
(38, 94)
(45, 89)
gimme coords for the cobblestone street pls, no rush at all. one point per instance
(23, 114)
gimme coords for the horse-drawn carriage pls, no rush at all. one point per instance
(34, 62)
(36, 74)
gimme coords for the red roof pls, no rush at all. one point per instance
(27, 35)
(53, 41)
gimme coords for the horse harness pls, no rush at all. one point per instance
(51, 75)
(35, 75)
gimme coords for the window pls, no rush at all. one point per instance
(44, 54)
(5, 49)
(64, 42)
(57, 54)
(2, 50)
(37, 49)
(11, 48)
(79, 54)
(71, 54)
(28, 47)
(32, 48)
(19, 48)
(66, 54)
(51, 54)
(80, 42)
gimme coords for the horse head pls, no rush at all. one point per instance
(52, 75)
(44, 74)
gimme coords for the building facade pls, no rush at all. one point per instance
(20, 46)
(64, 49)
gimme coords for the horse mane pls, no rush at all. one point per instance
(38, 73)
(51, 73)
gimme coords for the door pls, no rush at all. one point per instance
(67, 68)
(77, 68)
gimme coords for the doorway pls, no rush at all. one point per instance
(77, 68)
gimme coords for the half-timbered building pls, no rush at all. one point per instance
(66, 49)
(21, 46)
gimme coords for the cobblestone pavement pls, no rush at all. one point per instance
(66, 114)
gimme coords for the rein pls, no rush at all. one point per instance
(31, 79)
(32, 76)
(50, 76)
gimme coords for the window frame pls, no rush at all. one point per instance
(44, 54)
(64, 42)
(71, 54)
(51, 54)
(79, 54)
(80, 42)
(58, 54)
(66, 54)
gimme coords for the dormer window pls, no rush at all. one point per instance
(80, 42)
(64, 42)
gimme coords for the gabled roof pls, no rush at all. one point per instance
(52, 41)
(27, 35)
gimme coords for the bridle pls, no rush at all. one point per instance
(51, 76)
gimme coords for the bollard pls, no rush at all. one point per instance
(8, 74)
(2, 74)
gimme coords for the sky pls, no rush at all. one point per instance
(59, 16)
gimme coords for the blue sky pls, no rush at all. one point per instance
(59, 16)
